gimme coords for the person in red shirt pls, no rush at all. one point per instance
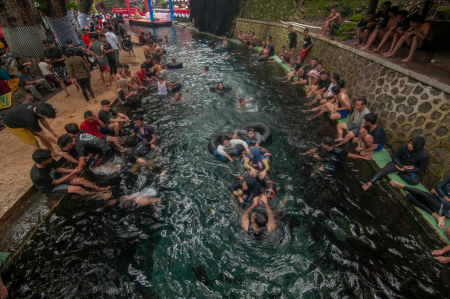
(142, 40)
(143, 75)
(90, 126)
(85, 38)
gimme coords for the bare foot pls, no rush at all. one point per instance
(304, 111)
(307, 104)
(389, 56)
(67, 95)
(376, 51)
(441, 222)
(104, 188)
(385, 54)
(295, 83)
(106, 195)
(367, 186)
(407, 59)
(310, 118)
(355, 43)
(338, 140)
(94, 101)
(123, 150)
(396, 184)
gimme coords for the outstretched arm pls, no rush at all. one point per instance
(271, 223)
(245, 222)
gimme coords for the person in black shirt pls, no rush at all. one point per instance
(113, 120)
(329, 153)
(401, 26)
(322, 85)
(91, 150)
(293, 40)
(72, 155)
(265, 58)
(302, 77)
(381, 19)
(373, 136)
(295, 68)
(306, 45)
(56, 57)
(78, 51)
(220, 88)
(362, 26)
(23, 121)
(407, 162)
(380, 30)
(51, 179)
(109, 53)
(140, 151)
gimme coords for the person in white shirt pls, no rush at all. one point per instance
(112, 39)
(46, 70)
(328, 95)
(231, 144)
(163, 86)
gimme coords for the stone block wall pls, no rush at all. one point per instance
(406, 107)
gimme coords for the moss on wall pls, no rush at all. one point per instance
(272, 10)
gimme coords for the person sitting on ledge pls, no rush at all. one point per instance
(355, 122)
(339, 106)
(258, 225)
(437, 204)
(373, 136)
(144, 132)
(341, 84)
(420, 37)
(333, 21)
(90, 126)
(329, 153)
(302, 74)
(231, 144)
(241, 36)
(112, 119)
(322, 85)
(381, 31)
(248, 134)
(328, 95)
(313, 75)
(139, 152)
(361, 28)
(142, 74)
(263, 48)
(270, 48)
(407, 162)
(51, 179)
(295, 68)
(284, 55)
(131, 79)
(127, 98)
(401, 27)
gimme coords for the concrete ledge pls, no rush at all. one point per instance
(419, 77)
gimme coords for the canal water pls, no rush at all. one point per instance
(347, 243)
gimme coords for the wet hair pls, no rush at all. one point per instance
(362, 100)
(328, 141)
(341, 83)
(403, 13)
(160, 77)
(139, 117)
(322, 73)
(70, 52)
(21, 67)
(131, 141)
(250, 130)
(394, 10)
(220, 82)
(261, 219)
(88, 113)
(371, 118)
(46, 110)
(128, 204)
(105, 102)
(72, 128)
(336, 89)
(336, 77)
(241, 100)
(64, 140)
(41, 155)
(417, 18)
(69, 41)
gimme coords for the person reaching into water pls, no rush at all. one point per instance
(407, 162)
(259, 224)
(144, 132)
(140, 151)
(246, 190)
(136, 200)
(243, 101)
(248, 135)
(329, 153)
(255, 156)
(231, 144)
(164, 86)
(51, 179)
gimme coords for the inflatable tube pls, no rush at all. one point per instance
(175, 66)
(259, 165)
(263, 129)
(174, 88)
(126, 49)
(215, 141)
(269, 184)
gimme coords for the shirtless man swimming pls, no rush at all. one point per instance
(333, 21)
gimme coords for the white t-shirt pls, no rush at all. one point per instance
(233, 144)
(330, 93)
(43, 67)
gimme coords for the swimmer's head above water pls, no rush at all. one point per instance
(250, 133)
(259, 219)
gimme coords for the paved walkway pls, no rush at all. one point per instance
(16, 161)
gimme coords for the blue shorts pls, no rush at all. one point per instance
(104, 137)
(379, 147)
(343, 113)
(105, 129)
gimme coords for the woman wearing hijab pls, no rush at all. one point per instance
(255, 156)
(126, 97)
(407, 161)
(246, 190)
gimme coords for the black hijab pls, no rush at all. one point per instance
(418, 144)
(252, 185)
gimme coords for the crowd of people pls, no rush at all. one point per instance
(326, 91)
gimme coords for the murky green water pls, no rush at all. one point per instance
(349, 243)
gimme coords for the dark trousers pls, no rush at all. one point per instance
(426, 201)
(112, 64)
(85, 84)
(133, 102)
(409, 177)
